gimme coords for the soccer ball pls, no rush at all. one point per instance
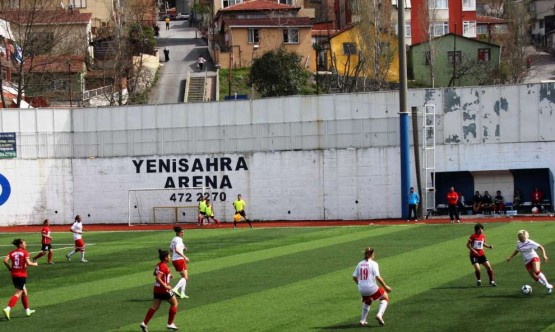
(535, 210)
(526, 290)
(237, 217)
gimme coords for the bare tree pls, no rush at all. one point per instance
(514, 57)
(44, 36)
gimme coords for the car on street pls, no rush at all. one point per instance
(182, 16)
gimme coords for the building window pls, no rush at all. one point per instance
(438, 4)
(482, 29)
(407, 30)
(439, 29)
(454, 56)
(79, 3)
(469, 29)
(427, 58)
(227, 3)
(484, 54)
(286, 2)
(253, 36)
(291, 36)
(58, 85)
(349, 48)
(469, 5)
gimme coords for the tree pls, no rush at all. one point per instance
(278, 73)
(43, 38)
(514, 58)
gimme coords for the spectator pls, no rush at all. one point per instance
(452, 202)
(167, 23)
(517, 199)
(166, 54)
(536, 197)
(499, 202)
(487, 202)
(477, 202)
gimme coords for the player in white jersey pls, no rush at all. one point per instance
(531, 259)
(365, 275)
(179, 261)
(79, 244)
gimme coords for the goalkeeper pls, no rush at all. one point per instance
(239, 206)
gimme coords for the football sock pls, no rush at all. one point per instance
(83, 254)
(365, 310)
(149, 315)
(382, 307)
(71, 253)
(25, 301)
(50, 256)
(171, 314)
(183, 283)
(542, 278)
(13, 301)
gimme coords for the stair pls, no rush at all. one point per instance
(196, 90)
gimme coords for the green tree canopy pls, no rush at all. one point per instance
(278, 73)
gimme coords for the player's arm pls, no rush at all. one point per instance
(29, 262)
(512, 255)
(384, 285)
(355, 278)
(489, 246)
(544, 254)
(469, 246)
(46, 234)
(160, 280)
(6, 262)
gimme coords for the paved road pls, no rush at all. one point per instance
(184, 52)
(543, 68)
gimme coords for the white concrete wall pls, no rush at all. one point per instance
(327, 157)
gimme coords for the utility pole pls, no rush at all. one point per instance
(69, 82)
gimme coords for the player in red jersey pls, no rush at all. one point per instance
(18, 268)
(476, 244)
(46, 242)
(162, 292)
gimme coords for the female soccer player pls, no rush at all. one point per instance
(476, 244)
(77, 230)
(179, 261)
(46, 242)
(19, 261)
(162, 292)
(365, 276)
(531, 259)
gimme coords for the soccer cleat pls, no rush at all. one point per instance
(363, 323)
(7, 313)
(84, 261)
(380, 320)
(415, 220)
(49, 262)
(68, 258)
(451, 221)
(549, 289)
(172, 327)
(29, 312)
(458, 221)
(144, 327)
(183, 296)
(492, 283)
(478, 283)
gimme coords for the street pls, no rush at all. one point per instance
(184, 51)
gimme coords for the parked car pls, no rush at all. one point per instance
(163, 17)
(182, 16)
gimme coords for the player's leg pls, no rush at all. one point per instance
(39, 255)
(25, 302)
(172, 313)
(384, 301)
(366, 304)
(539, 276)
(490, 273)
(50, 255)
(18, 284)
(477, 271)
(150, 313)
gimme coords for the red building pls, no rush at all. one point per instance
(434, 18)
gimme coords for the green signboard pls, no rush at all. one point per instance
(7, 145)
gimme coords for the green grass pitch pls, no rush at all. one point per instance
(286, 279)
